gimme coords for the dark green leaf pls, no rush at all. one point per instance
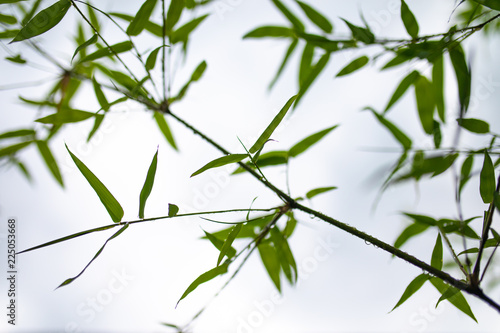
(5, 151)
(458, 300)
(397, 60)
(268, 159)
(321, 42)
(9, 1)
(272, 126)
(306, 143)
(288, 14)
(113, 207)
(427, 220)
(50, 161)
(289, 52)
(450, 292)
(465, 172)
(487, 179)
(181, 34)
(173, 14)
(402, 88)
(221, 161)
(493, 4)
(424, 95)
(270, 31)
(66, 116)
(205, 277)
(412, 288)
(463, 75)
(172, 210)
(362, 34)
(353, 66)
(474, 125)
(396, 132)
(271, 262)
(306, 62)
(438, 136)
(148, 185)
(141, 18)
(7, 19)
(84, 45)
(111, 51)
(153, 28)
(409, 20)
(438, 84)
(410, 231)
(43, 21)
(316, 17)
(226, 247)
(437, 254)
(312, 193)
(164, 128)
(17, 133)
(16, 59)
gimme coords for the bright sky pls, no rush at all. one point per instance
(344, 285)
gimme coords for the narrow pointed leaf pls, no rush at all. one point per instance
(270, 31)
(458, 299)
(218, 243)
(438, 86)
(462, 74)
(402, 88)
(9, 150)
(493, 4)
(465, 172)
(17, 133)
(409, 20)
(205, 277)
(289, 15)
(50, 161)
(83, 46)
(172, 210)
(181, 34)
(288, 53)
(408, 233)
(151, 60)
(487, 179)
(165, 129)
(474, 125)
(313, 75)
(66, 116)
(271, 262)
(173, 14)
(221, 161)
(285, 255)
(148, 185)
(412, 288)
(437, 254)
(353, 66)
(43, 21)
(306, 62)
(362, 34)
(226, 247)
(402, 138)
(424, 95)
(308, 142)
(111, 51)
(450, 292)
(113, 207)
(141, 18)
(99, 94)
(272, 126)
(316, 17)
(320, 190)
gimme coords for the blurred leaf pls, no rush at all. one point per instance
(306, 62)
(272, 126)
(268, 159)
(148, 185)
(99, 94)
(312, 193)
(437, 254)
(316, 17)
(412, 288)
(9, 1)
(49, 160)
(141, 18)
(410, 231)
(68, 281)
(16, 59)
(465, 172)
(438, 136)
(308, 142)
(289, 52)
(458, 300)
(153, 28)
(197, 74)
(221, 161)
(474, 125)
(43, 21)
(270, 31)
(165, 129)
(424, 95)
(174, 14)
(5, 151)
(353, 66)
(285, 255)
(83, 46)
(493, 4)
(438, 85)
(97, 123)
(271, 262)
(290, 226)
(205, 277)
(66, 116)
(288, 14)
(313, 74)
(362, 34)
(409, 20)
(427, 220)
(322, 42)
(463, 75)
(226, 247)
(402, 88)
(108, 51)
(151, 60)
(182, 33)
(113, 207)
(487, 179)
(17, 133)
(396, 132)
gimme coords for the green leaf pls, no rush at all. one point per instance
(458, 299)
(493, 4)
(113, 207)
(487, 179)
(153, 28)
(205, 277)
(99, 94)
(172, 210)
(5, 151)
(226, 247)
(409, 20)
(412, 288)
(424, 95)
(272, 126)
(422, 219)
(174, 14)
(289, 52)
(7, 19)
(66, 116)
(43, 21)
(49, 160)
(474, 125)
(83, 46)
(362, 34)
(68, 281)
(165, 129)
(269, 31)
(438, 136)
(438, 85)
(17, 133)
(181, 34)
(268, 159)
(221, 161)
(402, 138)
(306, 62)
(465, 172)
(313, 74)
(285, 255)
(218, 243)
(148, 185)
(288, 14)
(197, 74)
(409, 232)
(462, 74)
(271, 262)
(141, 18)
(151, 60)
(353, 66)
(16, 59)
(437, 254)
(312, 193)
(9, 1)
(322, 42)
(306, 143)
(316, 17)
(450, 292)
(111, 51)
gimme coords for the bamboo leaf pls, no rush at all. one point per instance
(165, 129)
(316, 17)
(49, 160)
(306, 62)
(17, 133)
(424, 95)
(308, 142)
(174, 14)
(181, 34)
(66, 116)
(285, 255)
(412, 288)
(353, 66)
(272, 126)
(408, 233)
(108, 51)
(268, 159)
(313, 74)
(465, 172)
(148, 185)
(402, 138)
(195, 76)
(462, 74)
(271, 262)
(43, 21)
(113, 207)
(141, 18)
(402, 88)
(458, 299)
(83, 46)
(289, 52)
(437, 254)
(289, 15)
(474, 125)
(99, 94)
(362, 34)
(226, 247)
(409, 20)
(9, 150)
(269, 31)
(493, 4)
(151, 60)
(221, 161)
(205, 277)
(438, 84)
(320, 190)
(487, 179)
